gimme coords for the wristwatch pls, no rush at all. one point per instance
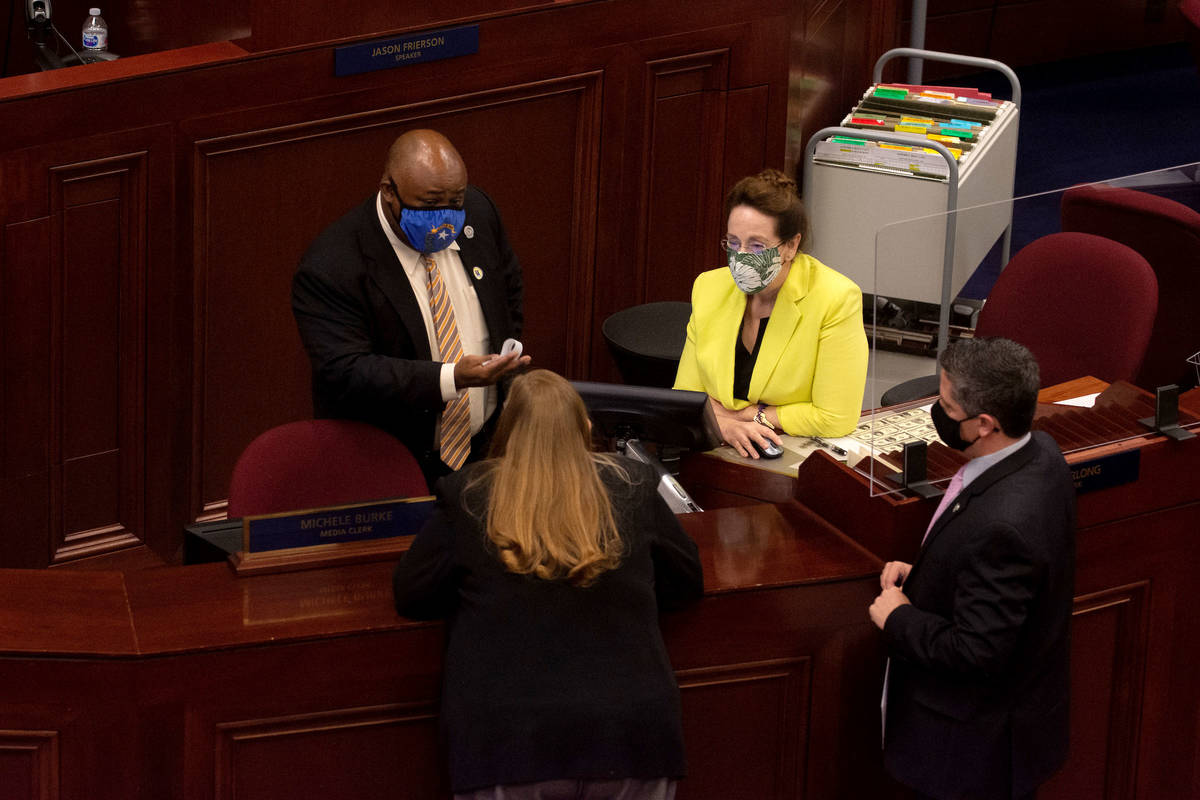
(761, 417)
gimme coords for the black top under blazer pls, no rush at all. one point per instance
(362, 328)
(544, 680)
(978, 683)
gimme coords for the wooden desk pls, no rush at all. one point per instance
(188, 682)
(1135, 637)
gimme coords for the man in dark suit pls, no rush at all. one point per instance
(976, 692)
(404, 302)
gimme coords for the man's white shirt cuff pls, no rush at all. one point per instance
(449, 392)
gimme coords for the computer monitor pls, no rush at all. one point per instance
(667, 417)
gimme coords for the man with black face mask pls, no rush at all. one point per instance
(404, 303)
(975, 700)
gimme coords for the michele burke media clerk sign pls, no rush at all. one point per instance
(399, 51)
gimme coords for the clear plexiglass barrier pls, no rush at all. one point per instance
(1080, 304)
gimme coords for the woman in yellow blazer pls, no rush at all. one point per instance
(776, 340)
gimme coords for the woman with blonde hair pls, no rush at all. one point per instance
(551, 564)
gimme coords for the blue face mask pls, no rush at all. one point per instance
(431, 229)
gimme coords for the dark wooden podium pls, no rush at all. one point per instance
(189, 682)
(1135, 699)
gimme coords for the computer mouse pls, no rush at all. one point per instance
(769, 450)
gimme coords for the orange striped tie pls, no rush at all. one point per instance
(456, 419)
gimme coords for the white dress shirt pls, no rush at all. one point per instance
(468, 314)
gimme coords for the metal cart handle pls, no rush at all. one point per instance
(951, 58)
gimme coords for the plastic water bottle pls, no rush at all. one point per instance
(95, 32)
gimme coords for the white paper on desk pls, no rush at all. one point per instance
(1083, 401)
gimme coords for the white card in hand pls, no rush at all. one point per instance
(510, 346)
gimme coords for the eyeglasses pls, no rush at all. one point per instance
(735, 244)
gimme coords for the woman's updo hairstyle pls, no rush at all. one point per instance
(772, 193)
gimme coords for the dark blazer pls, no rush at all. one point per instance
(360, 323)
(544, 680)
(978, 682)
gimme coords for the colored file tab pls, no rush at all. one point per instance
(847, 140)
(965, 123)
(958, 133)
(891, 94)
(926, 121)
(954, 151)
(867, 121)
(911, 128)
(949, 142)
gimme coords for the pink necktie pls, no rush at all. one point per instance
(456, 419)
(956, 484)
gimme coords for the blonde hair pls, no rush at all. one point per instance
(549, 514)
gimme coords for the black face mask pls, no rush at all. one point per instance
(948, 429)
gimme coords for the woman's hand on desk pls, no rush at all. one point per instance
(740, 431)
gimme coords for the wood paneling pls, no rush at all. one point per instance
(306, 755)
(265, 180)
(55, 714)
(1111, 628)
(685, 124)
(278, 24)
(25, 391)
(74, 343)
(1134, 637)
(834, 46)
(145, 257)
(743, 714)
(194, 683)
(307, 684)
(97, 318)
(29, 764)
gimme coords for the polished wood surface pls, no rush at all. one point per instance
(36, 85)
(242, 684)
(65, 613)
(307, 684)
(190, 609)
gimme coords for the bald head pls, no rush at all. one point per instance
(428, 171)
(423, 170)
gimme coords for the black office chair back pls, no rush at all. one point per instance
(646, 341)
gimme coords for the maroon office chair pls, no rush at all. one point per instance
(321, 462)
(1082, 304)
(1166, 234)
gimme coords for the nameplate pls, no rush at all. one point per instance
(416, 48)
(1106, 472)
(352, 523)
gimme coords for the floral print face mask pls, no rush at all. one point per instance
(753, 272)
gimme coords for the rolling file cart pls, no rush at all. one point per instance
(850, 200)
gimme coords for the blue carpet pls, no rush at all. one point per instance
(1094, 119)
